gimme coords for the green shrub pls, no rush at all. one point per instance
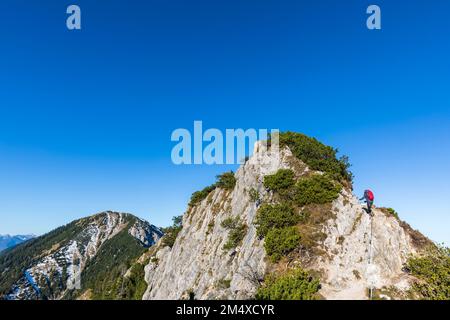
(433, 269)
(235, 237)
(210, 227)
(226, 181)
(317, 155)
(393, 212)
(295, 284)
(274, 216)
(223, 283)
(229, 223)
(237, 232)
(253, 194)
(318, 189)
(279, 242)
(198, 196)
(171, 233)
(282, 180)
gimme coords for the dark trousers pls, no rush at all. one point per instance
(369, 206)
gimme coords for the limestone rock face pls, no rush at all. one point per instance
(197, 262)
(353, 262)
(146, 233)
(198, 266)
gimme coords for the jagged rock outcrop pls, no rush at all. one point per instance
(55, 265)
(198, 266)
(146, 233)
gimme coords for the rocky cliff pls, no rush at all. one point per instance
(353, 253)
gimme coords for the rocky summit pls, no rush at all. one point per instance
(351, 254)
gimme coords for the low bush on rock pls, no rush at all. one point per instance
(225, 181)
(171, 233)
(317, 155)
(296, 284)
(317, 189)
(237, 232)
(280, 242)
(433, 272)
(274, 216)
(280, 181)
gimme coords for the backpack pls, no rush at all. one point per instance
(369, 195)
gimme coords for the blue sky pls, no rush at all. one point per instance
(86, 116)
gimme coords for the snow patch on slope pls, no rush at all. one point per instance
(64, 263)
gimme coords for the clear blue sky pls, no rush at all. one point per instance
(86, 117)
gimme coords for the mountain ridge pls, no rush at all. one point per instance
(48, 266)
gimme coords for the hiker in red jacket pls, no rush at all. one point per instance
(368, 197)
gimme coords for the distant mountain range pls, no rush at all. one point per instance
(8, 241)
